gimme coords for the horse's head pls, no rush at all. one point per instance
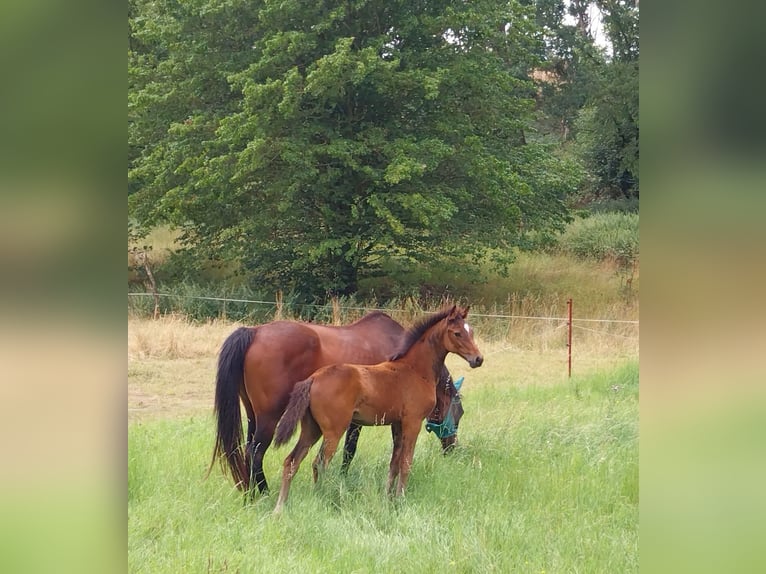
(445, 418)
(458, 337)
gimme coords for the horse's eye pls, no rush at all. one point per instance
(457, 334)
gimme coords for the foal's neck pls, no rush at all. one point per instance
(427, 356)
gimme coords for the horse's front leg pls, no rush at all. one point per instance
(396, 455)
(349, 449)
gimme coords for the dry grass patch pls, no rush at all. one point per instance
(174, 337)
(164, 388)
(171, 366)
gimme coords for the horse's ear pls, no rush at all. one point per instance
(465, 311)
(452, 313)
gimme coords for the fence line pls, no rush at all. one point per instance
(491, 316)
(214, 299)
(605, 333)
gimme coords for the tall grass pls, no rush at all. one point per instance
(545, 480)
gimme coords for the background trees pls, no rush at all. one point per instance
(590, 97)
(309, 143)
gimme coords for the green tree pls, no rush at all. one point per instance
(570, 64)
(319, 138)
(608, 124)
(607, 133)
(590, 96)
(179, 59)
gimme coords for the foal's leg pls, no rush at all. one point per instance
(327, 450)
(310, 434)
(396, 455)
(318, 461)
(409, 438)
(349, 450)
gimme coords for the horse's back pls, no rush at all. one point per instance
(363, 342)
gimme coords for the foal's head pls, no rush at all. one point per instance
(457, 337)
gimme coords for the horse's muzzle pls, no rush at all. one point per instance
(476, 362)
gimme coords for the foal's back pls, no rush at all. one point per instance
(369, 394)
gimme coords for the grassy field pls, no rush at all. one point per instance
(545, 478)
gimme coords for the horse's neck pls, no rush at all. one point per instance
(426, 357)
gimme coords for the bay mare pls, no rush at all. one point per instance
(399, 392)
(260, 365)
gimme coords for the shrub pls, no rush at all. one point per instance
(603, 236)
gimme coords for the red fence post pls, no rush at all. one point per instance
(569, 336)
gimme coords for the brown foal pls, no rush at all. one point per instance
(399, 392)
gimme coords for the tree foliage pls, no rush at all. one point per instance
(307, 141)
(593, 97)
(607, 133)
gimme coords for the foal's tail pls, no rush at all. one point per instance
(296, 408)
(229, 381)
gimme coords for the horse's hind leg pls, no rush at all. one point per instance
(349, 449)
(249, 450)
(310, 434)
(264, 433)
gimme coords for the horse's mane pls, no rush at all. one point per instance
(418, 329)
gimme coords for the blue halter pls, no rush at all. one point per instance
(447, 427)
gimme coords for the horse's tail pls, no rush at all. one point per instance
(229, 380)
(296, 408)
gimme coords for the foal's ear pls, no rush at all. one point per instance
(465, 311)
(452, 312)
